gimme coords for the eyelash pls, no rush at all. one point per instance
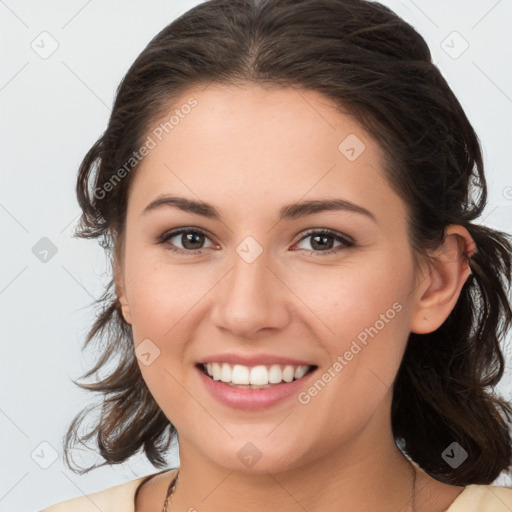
(346, 241)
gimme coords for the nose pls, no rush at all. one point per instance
(251, 298)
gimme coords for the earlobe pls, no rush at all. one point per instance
(440, 288)
(125, 309)
(121, 296)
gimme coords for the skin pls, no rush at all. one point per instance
(249, 151)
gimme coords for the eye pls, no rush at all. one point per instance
(191, 238)
(320, 240)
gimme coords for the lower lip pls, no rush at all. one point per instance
(243, 398)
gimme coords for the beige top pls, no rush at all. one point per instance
(121, 498)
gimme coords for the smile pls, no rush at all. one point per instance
(255, 377)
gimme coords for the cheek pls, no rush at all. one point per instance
(163, 303)
(363, 318)
(358, 293)
(161, 294)
(370, 325)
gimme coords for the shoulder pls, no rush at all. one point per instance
(113, 499)
(483, 498)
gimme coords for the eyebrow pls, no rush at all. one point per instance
(291, 211)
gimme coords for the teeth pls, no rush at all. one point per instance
(257, 375)
(275, 375)
(225, 373)
(300, 371)
(239, 374)
(215, 371)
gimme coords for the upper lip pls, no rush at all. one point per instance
(254, 360)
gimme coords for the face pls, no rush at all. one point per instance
(264, 282)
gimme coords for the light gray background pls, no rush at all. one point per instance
(52, 110)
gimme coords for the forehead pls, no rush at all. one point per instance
(256, 146)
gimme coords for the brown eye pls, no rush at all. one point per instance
(191, 240)
(322, 242)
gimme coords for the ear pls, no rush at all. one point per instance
(121, 292)
(440, 286)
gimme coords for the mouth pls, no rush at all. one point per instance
(254, 377)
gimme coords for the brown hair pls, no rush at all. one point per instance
(376, 67)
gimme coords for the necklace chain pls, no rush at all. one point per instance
(413, 487)
(172, 487)
(170, 490)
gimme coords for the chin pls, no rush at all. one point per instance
(257, 457)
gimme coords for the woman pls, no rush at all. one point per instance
(300, 293)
